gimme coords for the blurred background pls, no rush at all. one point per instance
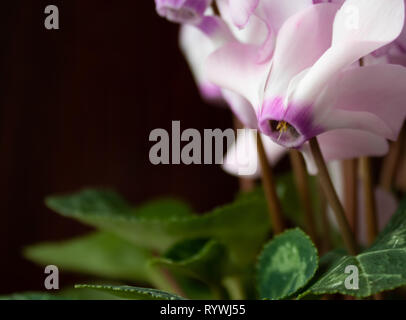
(77, 106)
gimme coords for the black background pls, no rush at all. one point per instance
(77, 106)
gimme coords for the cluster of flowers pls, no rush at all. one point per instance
(297, 69)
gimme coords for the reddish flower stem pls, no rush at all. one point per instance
(302, 185)
(274, 206)
(369, 200)
(332, 198)
(350, 172)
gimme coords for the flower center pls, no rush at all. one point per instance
(286, 132)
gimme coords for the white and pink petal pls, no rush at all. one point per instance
(274, 13)
(301, 41)
(241, 108)
(360, 27)
(379, 90)
(241, 11)
(196, 47)
(233, 67)
(344, 144)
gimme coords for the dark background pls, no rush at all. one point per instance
(77, 106)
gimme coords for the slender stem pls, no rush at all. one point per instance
(301, 178)
(401, 174)
(391, 161)
(332, 197)
(246, 184)
(370, 209)
(234, 287)
(215, 8)
(369, 196)
(325, 224)
(350, 171)
(274, 206)
(369, 200)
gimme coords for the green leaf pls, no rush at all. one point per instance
(241, 226)
(71, 293)
(202, 259)
(381, 267)
(133, 293)
(100, 254)
(286, 264)
(164, 209)
(31, 296)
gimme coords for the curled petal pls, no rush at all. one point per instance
(360, 27)
(241, 11)
(274, 13)
(182, 11)
(254, 32)
(262, 18)
(248, 27)
(197, 13)
(216, 29)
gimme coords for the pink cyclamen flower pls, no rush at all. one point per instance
(258, 63)
(312, 85)
(203, 33)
